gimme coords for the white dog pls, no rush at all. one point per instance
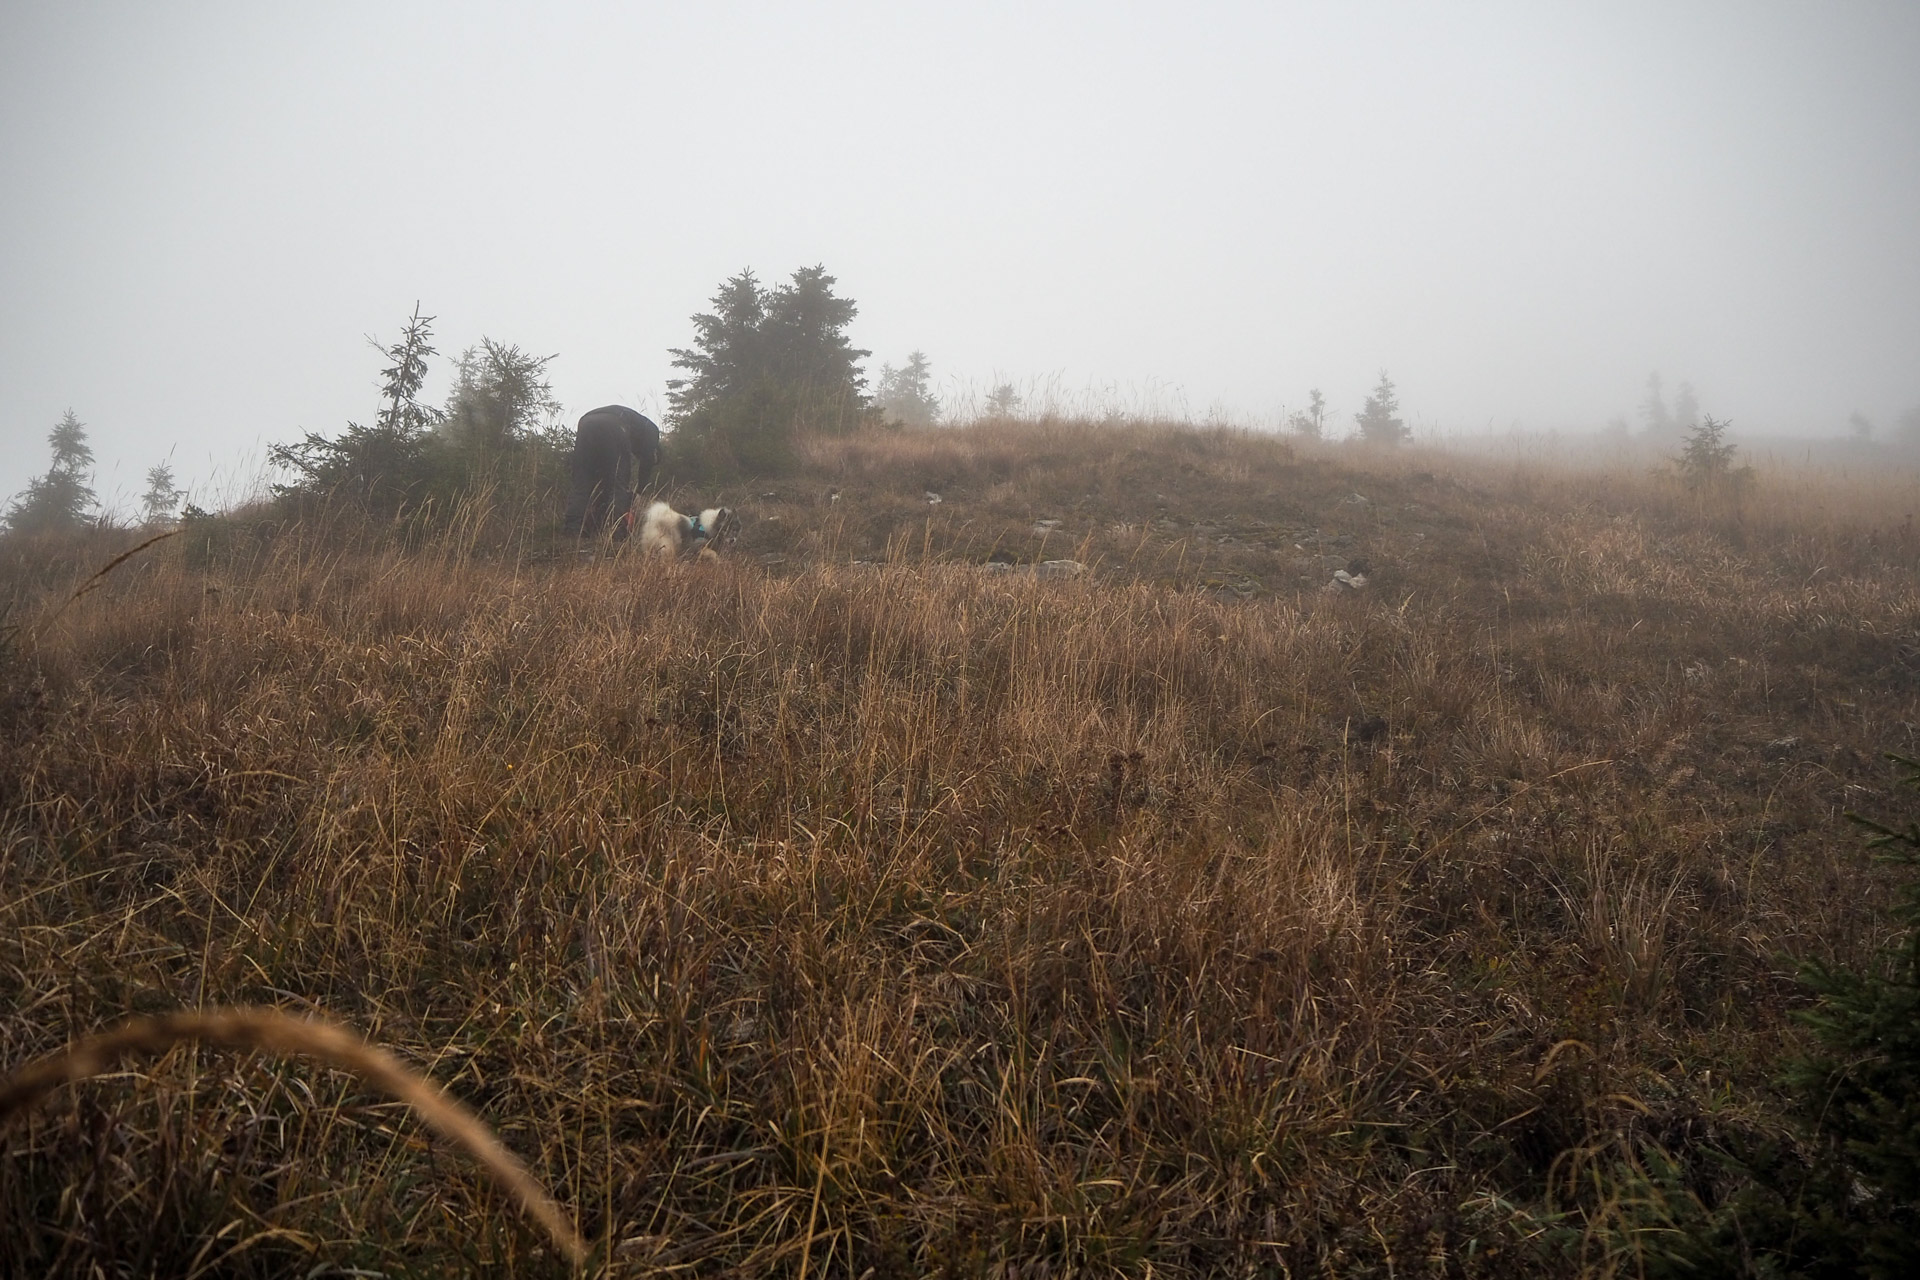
(665, 532)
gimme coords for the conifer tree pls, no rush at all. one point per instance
(500, 397)
(161, 502)
(401, 412)
(63, 498)
(806, 325)
(727, 357)
(1653, 408)
(765, 366)
(1686, 408)
(501, 408)
(1311, 421)
(1377, 419)
(903, 395)
(1003, 401)
(388, 465)
(1706, 461)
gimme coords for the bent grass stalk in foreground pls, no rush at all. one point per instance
(279, 1032)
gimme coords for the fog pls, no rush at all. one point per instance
(1520, 210)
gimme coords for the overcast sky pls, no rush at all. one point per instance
(1520, 210)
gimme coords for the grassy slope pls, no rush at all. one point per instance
(799, 912)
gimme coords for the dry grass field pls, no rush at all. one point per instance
(844, 908)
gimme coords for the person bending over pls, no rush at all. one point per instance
(615, 452)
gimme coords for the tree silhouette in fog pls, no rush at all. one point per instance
(1662, 422)
(766, 366)
(1377, 418)
(903, 395)
(401, 411)
(62, 499)
(161, 502)
(1003, 401)
(500, 397)
(1310, 422)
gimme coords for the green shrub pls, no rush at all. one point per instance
(499, 437)
(1841, 1195)
(1706, 460)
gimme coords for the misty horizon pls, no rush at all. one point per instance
(1519, 214)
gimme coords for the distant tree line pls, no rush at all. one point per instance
(767, 367)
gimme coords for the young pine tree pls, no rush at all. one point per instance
(1311, 421)
(1378, 423)
(161, 502)
(903, 395)
(388, 466)
(501, 397)
(1706, 460)
(401, 412)
(61, 500)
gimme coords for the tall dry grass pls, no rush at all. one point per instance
(841, 908)
(271, 1031)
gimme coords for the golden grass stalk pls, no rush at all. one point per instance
(278, 1032)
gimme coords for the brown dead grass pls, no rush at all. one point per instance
(800, 913)
(269, 1030)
